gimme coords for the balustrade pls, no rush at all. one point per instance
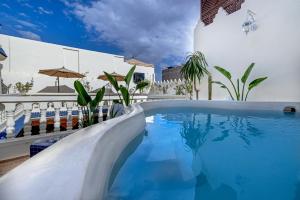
(27, 119)
(47, 114)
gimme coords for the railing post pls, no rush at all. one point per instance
(69, 116)
(100, 114)
(2, 116)
(43, 118)
(108, 111)
(10, 120)
(80, 116)
(27, 119)
(57, 116)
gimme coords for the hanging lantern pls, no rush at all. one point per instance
(250, 23)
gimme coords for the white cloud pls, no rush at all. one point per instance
(23, 14)
(29, 35)
(26, 23)
(42, 11)
(5, 5)
(152, 30)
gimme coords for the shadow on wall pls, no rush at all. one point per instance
(130, 149)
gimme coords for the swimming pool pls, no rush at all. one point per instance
(193, 153)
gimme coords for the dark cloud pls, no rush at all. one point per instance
(153, 30)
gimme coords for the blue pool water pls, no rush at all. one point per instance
(211, 155)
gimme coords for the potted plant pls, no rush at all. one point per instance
(239, 93)
(88, 104)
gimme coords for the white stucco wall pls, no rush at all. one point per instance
(26, 57)
(274, 47)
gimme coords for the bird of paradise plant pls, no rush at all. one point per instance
(88, 104)
(123, 91)
(238, 93)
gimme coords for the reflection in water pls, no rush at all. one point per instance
(194, 132)
(195, 129)
(203, 155)
(204, 191)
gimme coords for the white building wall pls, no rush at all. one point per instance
(27, 57)
(274, 47)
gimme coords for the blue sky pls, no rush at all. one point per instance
(155, 31)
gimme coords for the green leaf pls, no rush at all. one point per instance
(223, 86)
(228, 76)
(81, 101)
(129, 75)
(217, 82)
(247, 73)
(125, 95)
(113, 81)
(256, 82)
(224, 72)
(194, 67)
(98, 98)
(238, 89)
(83, 97)
(141, 85)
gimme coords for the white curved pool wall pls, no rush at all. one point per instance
(80, 165)
(274, 47)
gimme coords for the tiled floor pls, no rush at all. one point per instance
(8, 165)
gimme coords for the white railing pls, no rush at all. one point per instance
(35, 113)
(39, 109)
(2, 116)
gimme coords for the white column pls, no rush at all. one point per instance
(2, 116)
(80, 116)
(108, 111)
(69, 116)
(27, 120)
(10, 120)
(43, 118)
(100, 114)
(57, 116)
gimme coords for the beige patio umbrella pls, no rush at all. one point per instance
(118, 77)
(61, 73)
(114, 74)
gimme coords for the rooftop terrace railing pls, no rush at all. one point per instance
(25, 115)
(33, 114)
(25, 119)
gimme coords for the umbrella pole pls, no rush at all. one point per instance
(58, 84)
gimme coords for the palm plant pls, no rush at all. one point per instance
(123, 92)
(188, 87)
(237, 94)
(195, 132)
(24, 88)
(195, 69)
(88, 104)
